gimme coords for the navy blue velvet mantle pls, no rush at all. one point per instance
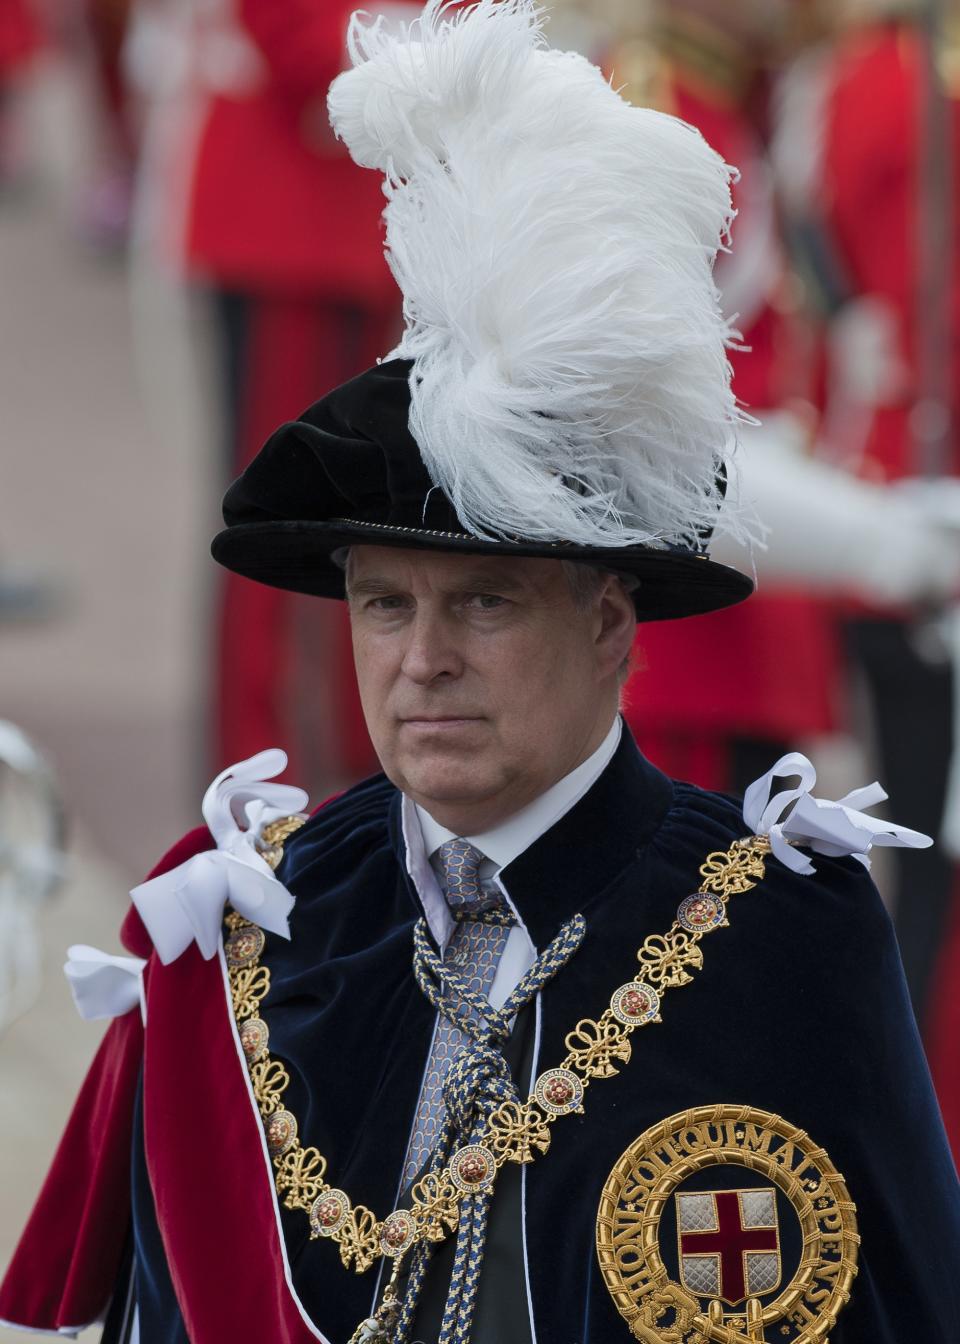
(800, 1009)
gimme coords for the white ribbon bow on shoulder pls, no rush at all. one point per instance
(186, 904)
(834, 829)
(102, 985)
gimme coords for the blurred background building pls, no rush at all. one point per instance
(188, 259)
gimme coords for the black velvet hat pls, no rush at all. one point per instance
(349, 472)
(562, 387)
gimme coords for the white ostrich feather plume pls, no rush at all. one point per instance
(555, 249)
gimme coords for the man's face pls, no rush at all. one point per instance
(483, 681)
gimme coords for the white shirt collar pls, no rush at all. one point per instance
(504, 843)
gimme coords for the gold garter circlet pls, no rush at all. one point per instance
(696, 1305)
(515, 1132)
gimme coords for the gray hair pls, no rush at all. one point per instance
(586, 581)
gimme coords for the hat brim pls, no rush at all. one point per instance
(297, 556)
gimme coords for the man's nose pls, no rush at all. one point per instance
(431, 649)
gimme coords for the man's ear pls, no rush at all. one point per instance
(617, 626)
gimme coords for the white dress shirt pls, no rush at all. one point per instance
(423, 836)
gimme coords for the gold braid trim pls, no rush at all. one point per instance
(516, 1131)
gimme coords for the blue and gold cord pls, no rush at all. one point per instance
(477, 1082)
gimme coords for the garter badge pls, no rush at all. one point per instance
(727, 1225)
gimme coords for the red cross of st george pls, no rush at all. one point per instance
(731, 1241)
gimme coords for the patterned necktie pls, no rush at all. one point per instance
(474, 950)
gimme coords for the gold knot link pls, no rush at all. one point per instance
(248, 985)
(594, 1046)
(515, 1129)
(358, 1239)
(270, 1080)
(734, 871)
(434, 1206)
(300, 1172)
(663, 958)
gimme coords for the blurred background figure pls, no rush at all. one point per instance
(876, 239)
(32, 866)
(105, 204)
(713, 705)
(21, 38)
(26, 593)
(886, 194)
(252, 201)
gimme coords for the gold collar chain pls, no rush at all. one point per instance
(516, 1131)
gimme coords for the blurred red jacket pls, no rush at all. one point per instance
(766, 669)
(20, 35)
(263, 197)
(872, 202)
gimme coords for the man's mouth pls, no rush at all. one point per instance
(438, 720)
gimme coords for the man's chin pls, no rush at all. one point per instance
(445, 735)
(440, 781)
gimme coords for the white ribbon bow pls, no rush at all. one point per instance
(102, 985)
(187, 903)
(834, 829)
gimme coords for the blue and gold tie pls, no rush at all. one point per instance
(467, 1075)
(483, 921)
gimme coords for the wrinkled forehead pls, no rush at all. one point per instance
(446, 571)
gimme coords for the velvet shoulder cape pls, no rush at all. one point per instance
(799, 1009)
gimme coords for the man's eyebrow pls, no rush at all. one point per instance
(374, 587)
(477, 581)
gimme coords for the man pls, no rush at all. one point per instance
(527, 1135)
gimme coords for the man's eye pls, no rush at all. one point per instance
(486, 601)
(390, 603)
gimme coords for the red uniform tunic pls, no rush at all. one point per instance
(275, 201)
(766, 669)
(871, 198)
(874, 202)
(20, 35)
(273, 215)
